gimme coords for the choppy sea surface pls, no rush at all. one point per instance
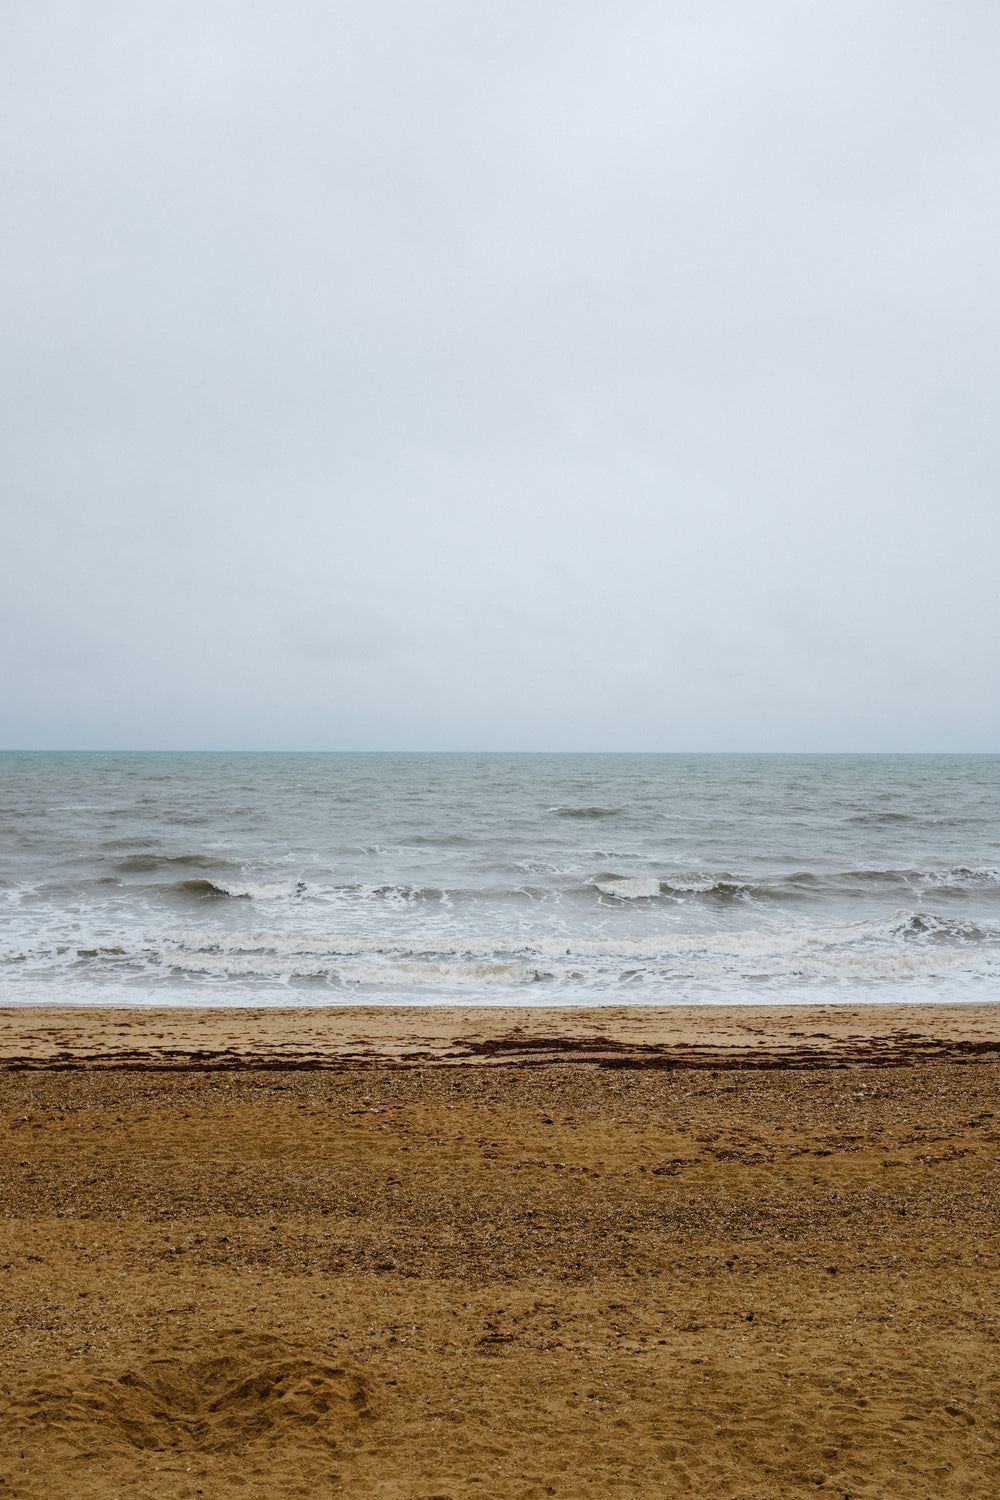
(219, 879)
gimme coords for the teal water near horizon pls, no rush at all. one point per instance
(260, 879)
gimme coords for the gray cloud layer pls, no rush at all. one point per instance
(550, 375)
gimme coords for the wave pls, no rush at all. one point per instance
(585, 812)
(698, 896)
(953, 877)
(437, 840)
(142, 864)
(627, 887)
(799, 886)
(647, 887)
(921, 924)
(402, 894)
(881, 819)
(726, 886)
(247, 890)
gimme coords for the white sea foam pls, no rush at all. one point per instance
(628, 887)
(959, 877)
(904, 945)
(372, 969)
(248, 890)
(690, 885)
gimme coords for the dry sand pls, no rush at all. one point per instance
(519, 1253)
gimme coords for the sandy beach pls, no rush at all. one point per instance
(427, 1252)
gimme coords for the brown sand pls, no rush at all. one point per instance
(433, 1253)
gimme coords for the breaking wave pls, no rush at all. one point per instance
(960, 877)
(920, 924)
(722, 888)
(627, 888)
(246, 890)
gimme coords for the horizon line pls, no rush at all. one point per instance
(196, 750)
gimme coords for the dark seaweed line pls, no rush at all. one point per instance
(539, 1052)
(871, 1052)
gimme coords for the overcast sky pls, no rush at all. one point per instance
(598, 374)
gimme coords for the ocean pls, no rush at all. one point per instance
(422, 879)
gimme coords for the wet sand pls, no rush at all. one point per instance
(512, 1253)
